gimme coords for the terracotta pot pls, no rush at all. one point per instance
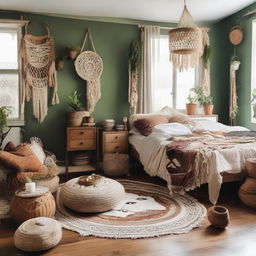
(208, 109)
(250, 165)
(75, 118)
(191, 108)
(247, 192)
(218, 216)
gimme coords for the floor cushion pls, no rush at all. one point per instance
(100, 197)
(38, 234)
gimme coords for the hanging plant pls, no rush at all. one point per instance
(4, 113)
(207, 55)
(73, 51)
(135, 55)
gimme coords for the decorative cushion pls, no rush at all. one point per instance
(183, 119)
(100, 197)
(145, 125)
(24, 160)
(38, 234)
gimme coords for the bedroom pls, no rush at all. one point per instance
(112, 31)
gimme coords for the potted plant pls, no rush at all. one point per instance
(253, 102)
(73, 51)
(207, 102)
(191, 106)
(4, 113)
(76, 116)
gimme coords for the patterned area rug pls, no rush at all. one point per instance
(147, 211)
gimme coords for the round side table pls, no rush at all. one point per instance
(26, 205)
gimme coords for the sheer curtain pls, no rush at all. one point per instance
(150, 37)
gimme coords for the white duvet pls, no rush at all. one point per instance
(153, 156)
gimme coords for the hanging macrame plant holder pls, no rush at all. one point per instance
(38, 59)
(89, 67)
(185, 42)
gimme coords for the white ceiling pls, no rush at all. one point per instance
(152, 10)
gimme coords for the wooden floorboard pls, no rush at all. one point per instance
(238, 239)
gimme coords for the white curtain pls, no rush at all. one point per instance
(204, 70)
(150, 37)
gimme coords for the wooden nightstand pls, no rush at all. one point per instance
(84, 139)
(115, 153)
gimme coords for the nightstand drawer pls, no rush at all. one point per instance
(82, 144)
(116, 137)
(81, 133)
(115, 147)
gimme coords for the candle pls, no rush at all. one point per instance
(30, 187)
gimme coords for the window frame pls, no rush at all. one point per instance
(253, 65)
(174, 82)
(13, 26)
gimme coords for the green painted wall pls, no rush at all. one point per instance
(222, 50)
(112, 43)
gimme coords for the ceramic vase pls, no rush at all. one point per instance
(218, 216)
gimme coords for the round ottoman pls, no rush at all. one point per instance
(25, 205)
(100, 197)
(38, 234)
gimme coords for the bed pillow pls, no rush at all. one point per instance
(145, 125)
(172, 129)
(37, 150)
(182, 119)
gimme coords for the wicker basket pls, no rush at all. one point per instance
(38, 234)
(24, 208)
(116, 164)
(247, 192)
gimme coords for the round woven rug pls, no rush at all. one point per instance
(159, 214)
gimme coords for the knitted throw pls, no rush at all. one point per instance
(38, 60)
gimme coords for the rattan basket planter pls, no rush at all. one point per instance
(101, 197)
(38, 234)
(24, 208)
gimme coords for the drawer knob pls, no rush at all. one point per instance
(116, 137)
(81, 132)
(81, 143)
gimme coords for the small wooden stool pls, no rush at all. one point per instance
(26, 205)
(247, 192)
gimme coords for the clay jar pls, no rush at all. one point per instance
(218, 216)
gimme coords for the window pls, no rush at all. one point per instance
(174, 86)
(10, 66)
(253, 70)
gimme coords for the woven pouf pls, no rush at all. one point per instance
(38, 234)
(247, 192)
(100, 197)
(25, 206)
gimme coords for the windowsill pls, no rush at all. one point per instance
(13, 123)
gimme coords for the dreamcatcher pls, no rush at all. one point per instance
(89, 67)
(38, 59)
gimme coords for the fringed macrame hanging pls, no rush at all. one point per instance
(185, 42)
(38, 62)
(233, 107)
(89, 66)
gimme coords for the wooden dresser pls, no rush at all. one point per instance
(82, 139)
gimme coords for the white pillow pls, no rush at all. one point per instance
(38, 151)
(172, 129)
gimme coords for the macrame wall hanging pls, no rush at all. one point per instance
(185, 42)
(235, 38)
(89, 67)
(38, 62)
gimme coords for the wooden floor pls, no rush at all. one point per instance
(238, 239)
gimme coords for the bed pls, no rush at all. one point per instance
(187, 155)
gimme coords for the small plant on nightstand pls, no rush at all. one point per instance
(76, 116)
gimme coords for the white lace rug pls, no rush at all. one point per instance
(147, 211)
